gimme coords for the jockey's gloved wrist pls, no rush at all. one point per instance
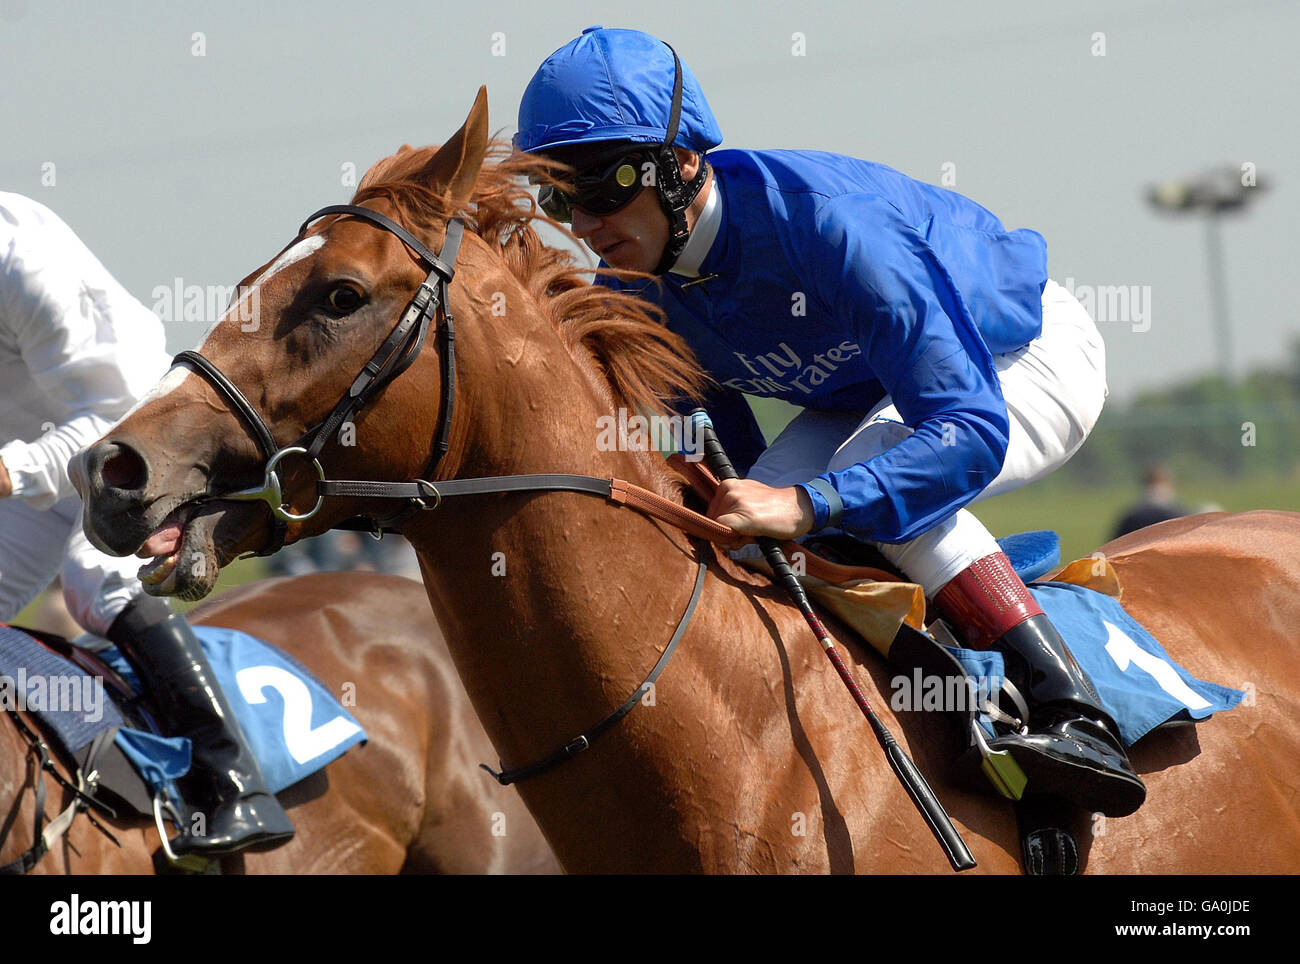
(826, 504)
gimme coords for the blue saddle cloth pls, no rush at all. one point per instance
(1139, 684)
(294, 724)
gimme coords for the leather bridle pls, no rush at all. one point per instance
(393, 357)
(398, 351)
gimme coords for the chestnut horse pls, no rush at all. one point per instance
(411, 799)
(750, 756)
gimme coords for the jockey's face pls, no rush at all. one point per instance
(633, 237)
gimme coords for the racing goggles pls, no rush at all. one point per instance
(598, 190)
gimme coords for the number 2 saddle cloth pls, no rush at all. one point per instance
(87, 701)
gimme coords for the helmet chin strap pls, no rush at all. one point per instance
(679, 231)
(675, 195)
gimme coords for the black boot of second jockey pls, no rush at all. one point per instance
(224, 780)
(1072, 747)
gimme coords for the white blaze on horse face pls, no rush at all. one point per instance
(166, 385)
(239, 310)
(177, 374)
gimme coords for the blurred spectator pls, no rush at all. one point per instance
(341, 550)
(1158, 504)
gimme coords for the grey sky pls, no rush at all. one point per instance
(172, 165)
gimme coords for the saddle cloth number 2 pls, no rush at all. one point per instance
(302, 740)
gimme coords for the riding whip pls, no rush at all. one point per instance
(917, 788)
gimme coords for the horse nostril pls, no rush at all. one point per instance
(125, 469)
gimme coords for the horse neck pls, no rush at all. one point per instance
(556, 604)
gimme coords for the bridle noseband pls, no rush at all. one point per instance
(394, 356)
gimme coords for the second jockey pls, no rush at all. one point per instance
(935, 361)
(76, 352)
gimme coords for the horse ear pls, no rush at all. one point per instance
(454, 168)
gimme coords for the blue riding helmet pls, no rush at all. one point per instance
(607, 85)
(621, 87)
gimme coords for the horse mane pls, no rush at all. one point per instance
(644, 365)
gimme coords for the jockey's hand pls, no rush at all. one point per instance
(6, 486)
(754, 509)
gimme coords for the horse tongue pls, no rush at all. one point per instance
(162, 542)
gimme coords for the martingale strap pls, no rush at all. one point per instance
(584, 740)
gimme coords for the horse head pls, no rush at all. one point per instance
(158, 483)
(184, 477)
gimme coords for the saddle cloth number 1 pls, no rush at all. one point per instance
(1125, 652)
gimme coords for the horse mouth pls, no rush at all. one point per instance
(188, 549)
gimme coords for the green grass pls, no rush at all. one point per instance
(1085, 515)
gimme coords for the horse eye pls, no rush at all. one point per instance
(344, 299)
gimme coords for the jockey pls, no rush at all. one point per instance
(935, 361)
(76, 351)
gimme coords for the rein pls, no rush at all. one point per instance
(616, 491)
(44, 836)
(390, 360)
(38, 754)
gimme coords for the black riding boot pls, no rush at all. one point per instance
(1070, 746)
(224, 780)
